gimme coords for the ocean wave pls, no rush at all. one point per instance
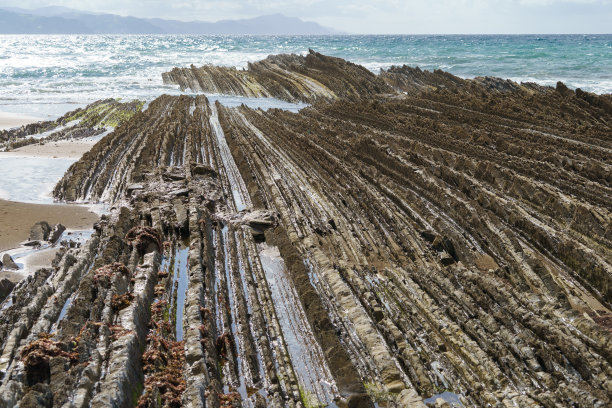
(57, 69)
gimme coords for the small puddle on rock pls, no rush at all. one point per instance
(229, 280)
(180, 280)
(256, 103)
(62, 313)
(8, 302)
(237, 185)
(68, 301)
(450, 397)
(316, 383)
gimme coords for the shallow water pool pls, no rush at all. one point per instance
(30, 179)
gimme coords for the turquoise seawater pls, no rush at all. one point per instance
(47, 74)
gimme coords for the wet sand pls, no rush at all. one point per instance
(63, 149)
(16, 219)
(30, 263)
(11, 120)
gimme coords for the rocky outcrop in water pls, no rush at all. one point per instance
(450, 241)
(90, 121)
(288, 77)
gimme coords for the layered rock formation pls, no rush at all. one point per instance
(453, 236)
(288, 77)
(92, 120)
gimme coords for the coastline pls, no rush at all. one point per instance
(17, 217)
(403, 233)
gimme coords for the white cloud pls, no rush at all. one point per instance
(377, 16)
(551, 2)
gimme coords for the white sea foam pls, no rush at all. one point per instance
(49, 75)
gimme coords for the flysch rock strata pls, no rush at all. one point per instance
(438, 237)
(288, 77)
(93, 120)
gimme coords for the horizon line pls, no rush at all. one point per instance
(316, 35)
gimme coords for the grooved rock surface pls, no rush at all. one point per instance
(78, 124)
(289, 77)
(450, 241)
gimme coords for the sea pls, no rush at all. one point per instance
(46, 75)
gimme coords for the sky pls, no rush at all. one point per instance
(377, 16)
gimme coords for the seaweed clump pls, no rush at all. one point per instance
(142, 237)
(165, 364)
(162, 363)
(36, 357)
(224, 344)
(229, 400)
(106, 273)
(120, 302)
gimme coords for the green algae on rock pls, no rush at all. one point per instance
(93, 120)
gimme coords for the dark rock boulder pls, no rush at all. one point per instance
(56, 233)
(173, 174)
(563, 89)
(202, 170)
(6, 286)
(8, 262)
(40, 231)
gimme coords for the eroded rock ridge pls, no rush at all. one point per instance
(428, 235)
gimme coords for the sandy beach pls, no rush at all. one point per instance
(63, 149)
(11, 120)
(16, 219)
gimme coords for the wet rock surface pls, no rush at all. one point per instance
(56, 233)
(6, 286)
(447, 243)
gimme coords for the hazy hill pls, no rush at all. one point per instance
(62, 20)
(18, 23)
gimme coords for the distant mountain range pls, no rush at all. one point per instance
(62, 20)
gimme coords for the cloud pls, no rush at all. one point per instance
(377, 16)
(552, 2)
